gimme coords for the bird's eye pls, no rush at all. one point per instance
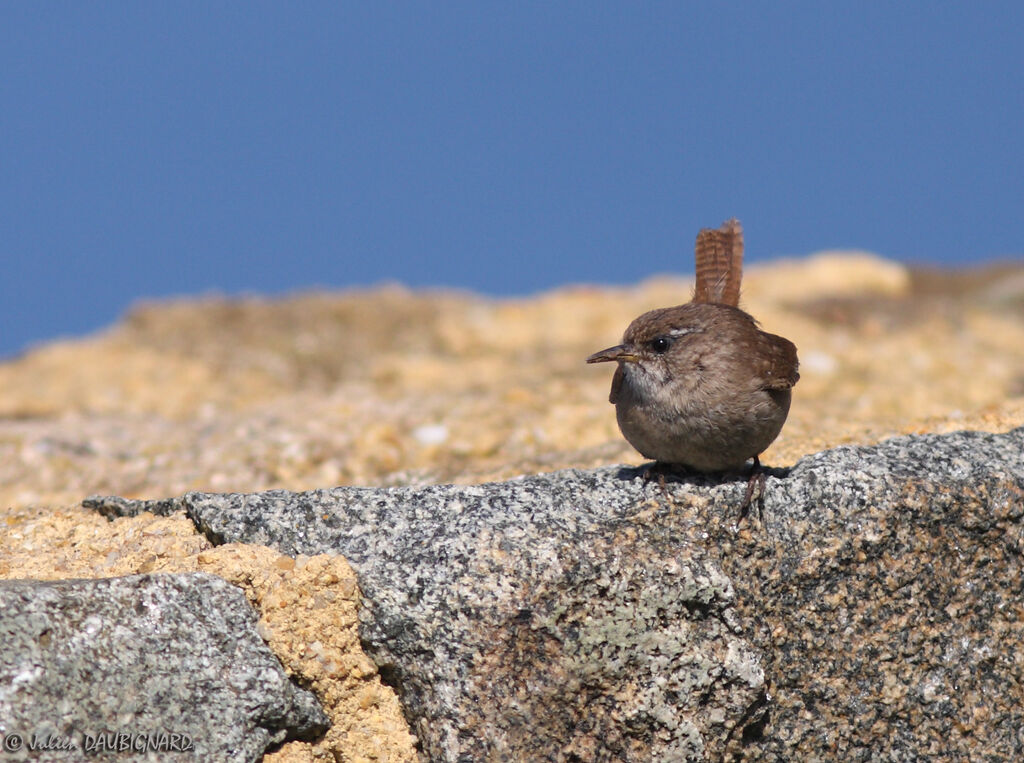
(660, 344)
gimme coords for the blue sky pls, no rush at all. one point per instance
(153, 149)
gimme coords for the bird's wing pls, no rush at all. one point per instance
(779, 366)
(613, 396)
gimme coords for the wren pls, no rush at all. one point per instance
(700, 385)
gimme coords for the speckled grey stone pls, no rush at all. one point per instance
(147, 667)
(873, 613)
(524, 619)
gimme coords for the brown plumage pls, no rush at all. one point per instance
(719, 264)
(700, 384)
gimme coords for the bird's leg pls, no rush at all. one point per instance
(758, 479)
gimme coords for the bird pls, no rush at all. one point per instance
(701, 385)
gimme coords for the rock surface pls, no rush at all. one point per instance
(393, 387)
(390, 386)
(874, 613)
(148, 667)
(308, 609)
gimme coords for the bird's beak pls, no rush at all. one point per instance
(622, 352)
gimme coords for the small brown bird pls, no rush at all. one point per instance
(700, 385)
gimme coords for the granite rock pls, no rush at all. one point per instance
(870, 611)
(145, 667)
(523, 619)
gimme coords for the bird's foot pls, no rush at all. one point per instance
(658, 470)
